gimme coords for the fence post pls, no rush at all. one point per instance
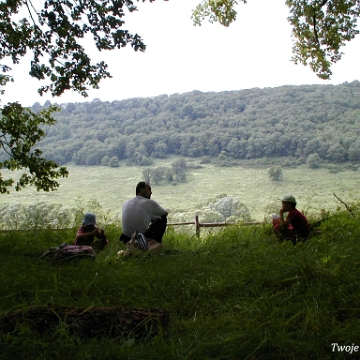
(197, 226)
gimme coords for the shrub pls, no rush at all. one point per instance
(275, 173)
(313, 161)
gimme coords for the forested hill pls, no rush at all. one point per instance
(320, 121)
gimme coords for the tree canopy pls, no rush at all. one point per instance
(288, 122)
(53, 34)
(20, 131)
(320, 27)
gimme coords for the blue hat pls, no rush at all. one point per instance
(89, 219)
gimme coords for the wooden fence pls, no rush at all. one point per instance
(199, 225)
(196, 222)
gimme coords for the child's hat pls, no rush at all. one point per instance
(89, 219)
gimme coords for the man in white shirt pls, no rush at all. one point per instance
(144, 215)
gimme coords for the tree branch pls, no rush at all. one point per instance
(315, 31)
(4, 142)
(314, 21)
(29, 10)
(323, 3)
(347, 207)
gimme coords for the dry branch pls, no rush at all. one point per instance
(91, 322)
(347, 207)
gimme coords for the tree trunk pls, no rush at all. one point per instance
(90, 322)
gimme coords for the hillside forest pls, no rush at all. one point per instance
(309, 123)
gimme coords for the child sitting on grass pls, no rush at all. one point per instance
(295, 226)
(88, 231)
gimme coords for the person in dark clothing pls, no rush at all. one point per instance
(295, 226)
(88, 231)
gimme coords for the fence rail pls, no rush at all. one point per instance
(199, 225)
(196, 222)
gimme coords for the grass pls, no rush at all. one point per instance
(233, 294)
(112, 186)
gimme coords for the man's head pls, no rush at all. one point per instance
(143, 189)
(288, 202)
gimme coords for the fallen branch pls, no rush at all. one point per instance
(347, 207)
(91, 322)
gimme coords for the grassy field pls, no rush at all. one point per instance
(112, 186)
(235, 295)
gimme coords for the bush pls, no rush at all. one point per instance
(114, 162)
(275, 173)
(334, 169)
(313, 161)
(228, 206)
(105, 160)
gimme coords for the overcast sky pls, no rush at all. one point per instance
(255, 51)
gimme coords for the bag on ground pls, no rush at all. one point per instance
(67, 252)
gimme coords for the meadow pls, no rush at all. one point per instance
(232, 295)
(313, 189)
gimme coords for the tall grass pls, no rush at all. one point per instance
(232, 294)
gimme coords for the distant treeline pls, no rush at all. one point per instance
(288, 121)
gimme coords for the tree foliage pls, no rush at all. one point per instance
(173, 174)
(221, 11)
(19, 131)
(320, 27)
(53, 32)
(291, 122)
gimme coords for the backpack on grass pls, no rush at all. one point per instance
(66, 252)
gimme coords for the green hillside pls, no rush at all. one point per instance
(199, 148)
(317, 121)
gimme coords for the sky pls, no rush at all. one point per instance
(255, 51)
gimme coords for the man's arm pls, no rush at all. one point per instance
(156, 210)
(81, 234)
(283, 222)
